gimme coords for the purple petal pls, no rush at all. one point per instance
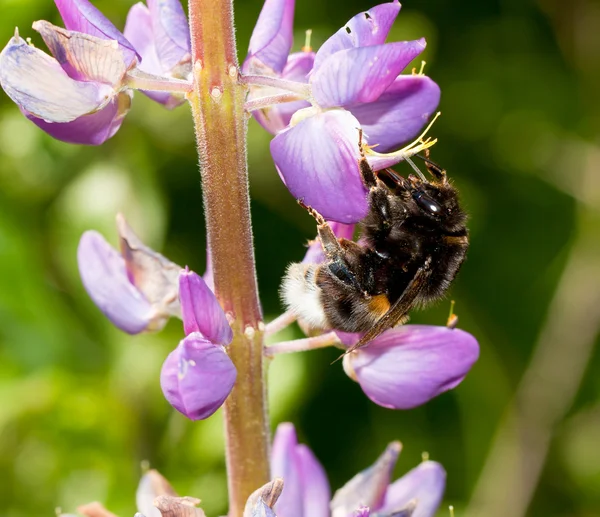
(363, 30)
(104, 277)
(171, 32)
(197, 377)
(39, 85)
(272, 37)
(82, 16)
(284, 464)
(92, 129)
(315, 255)
(368, 487)
(201, 310)
(318, 161)
(277, 118)
(425, 484)
(409, 365)
(400, 113)
(138, 30)
(363, 511)
(361, 74)
(315, 486)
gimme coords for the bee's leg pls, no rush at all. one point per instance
(331, 246)
(368, 176)
(434, 169)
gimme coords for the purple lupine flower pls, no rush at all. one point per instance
(354, 83)
(79, 95)
(137, 288)
(417, 493)
(408, 365)
(306, 490)
(198, 375)
(161, 35)
(268, 52)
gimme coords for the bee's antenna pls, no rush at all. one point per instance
(416, 169)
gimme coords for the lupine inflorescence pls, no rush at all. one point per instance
(316, 104)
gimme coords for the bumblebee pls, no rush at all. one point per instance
(413, 241)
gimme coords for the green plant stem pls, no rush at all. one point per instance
(217, 104)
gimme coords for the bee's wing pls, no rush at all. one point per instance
(399, 309)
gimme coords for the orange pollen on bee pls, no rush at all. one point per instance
(453, 240)
(379, 304)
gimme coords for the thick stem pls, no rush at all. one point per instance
(218, 108)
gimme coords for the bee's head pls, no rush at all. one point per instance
(437, 202)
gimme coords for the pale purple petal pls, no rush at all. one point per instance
(363, 511)
(363, 30)
(284, 464)
(315, 486)
(276, 118)
(272, 37)
(138, 30)
(38, 84)
(197, 377)
(315, 255)
(104, 277)
(368, 487)
(361, 74)
(256, 504)
(400, 113)
(409, 365)
(425, 484)
(201, 310)
(171, 32)
(260, 509)
(92, 129)
(82, 16)
(318, 161)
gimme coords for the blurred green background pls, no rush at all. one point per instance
(80, 402)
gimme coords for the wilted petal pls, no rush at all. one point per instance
(400, 113)
(368, 487)
(363, 30)
(170, 506)
(197, 377)
(318, 161)
(84, 57)
(152, 484)
(409, 365)
(315, 255)
(261, 501)
(154, 275)
(40, 86)
(82, 16)
(276, 118)
(92, 129)
(424, 484)
(361, 74)
(94, 510)
(306, 489)
(201, 310)
(272, 37)
(104, 277)
(171, 32)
